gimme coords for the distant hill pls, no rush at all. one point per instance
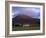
(23, 19)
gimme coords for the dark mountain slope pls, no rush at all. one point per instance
(25, 19)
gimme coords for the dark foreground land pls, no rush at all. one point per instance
(20, 28)
(19, 24)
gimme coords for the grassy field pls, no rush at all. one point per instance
(20, 28)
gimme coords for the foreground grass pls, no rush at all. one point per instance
(20, 28)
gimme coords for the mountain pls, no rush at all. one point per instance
(23, 19)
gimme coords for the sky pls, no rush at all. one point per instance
(29, 11)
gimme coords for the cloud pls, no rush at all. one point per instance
(34, 12)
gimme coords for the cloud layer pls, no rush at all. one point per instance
(29, 11)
